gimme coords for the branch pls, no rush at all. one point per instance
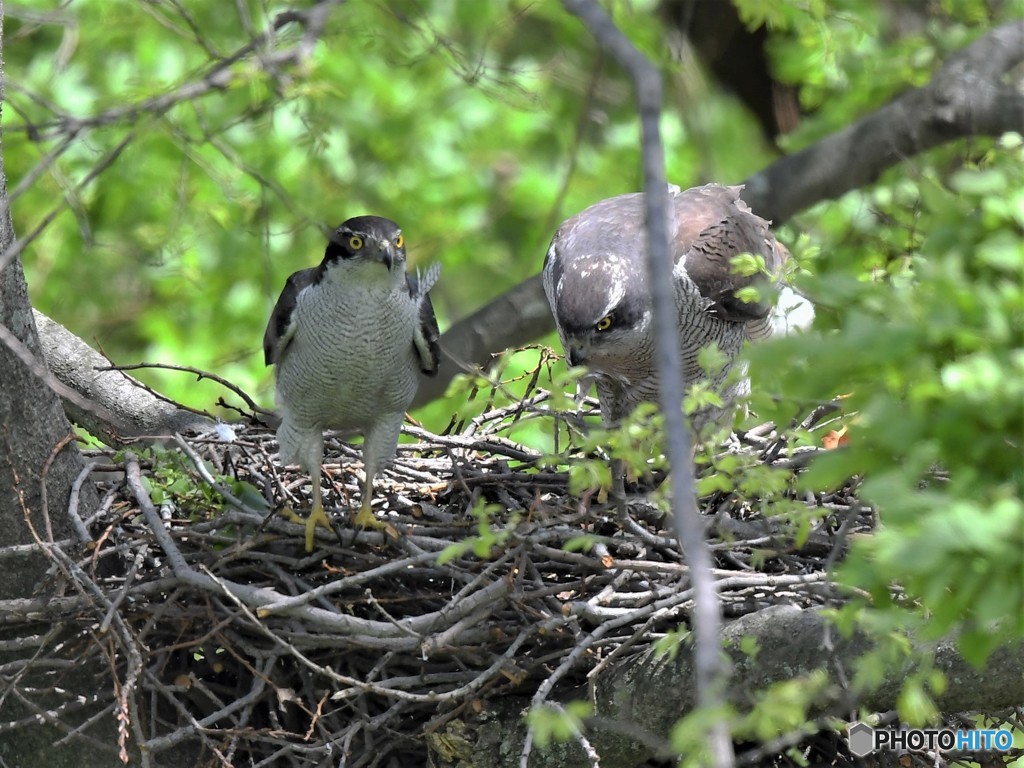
(966, 97)
(110, 404)
(470, 343)
(637, 701)
(217, 77)
(712, 676)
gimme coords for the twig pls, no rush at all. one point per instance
(199, 374)
(43, 373)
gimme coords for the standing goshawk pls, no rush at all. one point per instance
(349, 339)
(595, 278)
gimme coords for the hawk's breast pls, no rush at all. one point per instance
(352, 357)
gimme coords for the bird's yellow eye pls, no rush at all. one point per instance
(399, 241)
(604, 323)
(355, 242)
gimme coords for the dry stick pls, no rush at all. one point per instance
(711, 673)
(127, 711)
(76, 490)
(353, 686)
(260, 679)
(150, 390)
(346, 583)
(197, 372)
(197, 727)
(44, 507)
(129, 580)
(58, 717)
(358, 629)
(581, 647)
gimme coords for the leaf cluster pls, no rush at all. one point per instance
(926, 347)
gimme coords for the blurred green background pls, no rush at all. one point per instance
(477, 126)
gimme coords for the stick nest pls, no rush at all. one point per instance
(197, 596)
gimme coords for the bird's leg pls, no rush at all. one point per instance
(378, 447)
(365, 518)
(317, 516)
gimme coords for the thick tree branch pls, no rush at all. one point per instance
(123, 407)
(966, 97)
(470, 342)
(644, 696)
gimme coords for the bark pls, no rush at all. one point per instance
(130, 409)
(646, 695)
(39, 462)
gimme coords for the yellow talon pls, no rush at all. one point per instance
(289, 514)
(365, 518)
(316, 517)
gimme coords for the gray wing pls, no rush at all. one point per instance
(427, 335)
(280, 329)
(713, 226)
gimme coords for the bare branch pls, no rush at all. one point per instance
(712, 676)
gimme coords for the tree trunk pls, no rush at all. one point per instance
(39, 459)
(39, 462)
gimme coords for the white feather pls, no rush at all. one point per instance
(427, 279)
(792, 312)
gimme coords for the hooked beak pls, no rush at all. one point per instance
(576, 356)
(386, 254)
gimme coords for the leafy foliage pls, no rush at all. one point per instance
(927, 344)
(479, 126)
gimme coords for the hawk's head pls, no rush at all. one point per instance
(367, 242)
(601, 306)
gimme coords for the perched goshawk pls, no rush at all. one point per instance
(595, 279)
(349, 339)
